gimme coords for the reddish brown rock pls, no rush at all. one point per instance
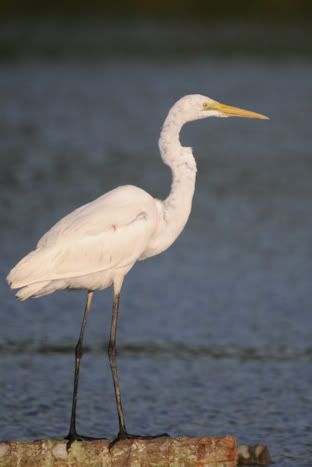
(253, 455)
(159, 452)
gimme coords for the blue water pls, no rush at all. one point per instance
(215, 334)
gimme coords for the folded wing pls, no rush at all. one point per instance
(110, 232)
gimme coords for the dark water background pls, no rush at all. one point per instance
(214, 334)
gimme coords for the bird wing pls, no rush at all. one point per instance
(110, 232)
(114, 209)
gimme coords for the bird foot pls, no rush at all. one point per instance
(74, 436)
(124, 435)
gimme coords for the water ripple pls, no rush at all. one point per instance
(178, 350)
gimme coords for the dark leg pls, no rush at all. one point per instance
(112, 360)
(123, 434)
(73, 435)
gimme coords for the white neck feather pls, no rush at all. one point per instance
(177, 206)
(171, 150)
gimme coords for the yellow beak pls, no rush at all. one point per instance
(230, 111)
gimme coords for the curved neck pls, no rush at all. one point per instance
(177, 206)
(171, 150)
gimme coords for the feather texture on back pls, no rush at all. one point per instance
(110, 233)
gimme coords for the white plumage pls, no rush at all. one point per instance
(97, 244)
(100, 241)
(89, 246)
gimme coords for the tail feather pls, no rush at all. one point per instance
(29, 275)
(29, 270)
(34, 290)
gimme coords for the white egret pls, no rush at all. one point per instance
(97, 244)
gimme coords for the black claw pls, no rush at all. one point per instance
(71, 437)
(77, 437)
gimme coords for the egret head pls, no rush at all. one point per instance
(195, 107)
